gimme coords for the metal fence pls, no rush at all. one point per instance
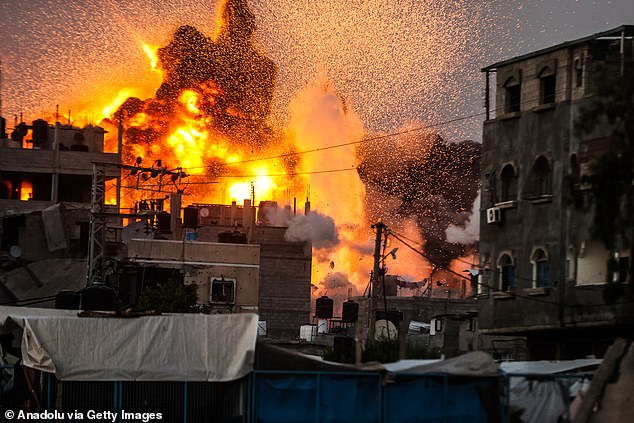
(302, 397)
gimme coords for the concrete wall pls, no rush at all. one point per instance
(201, 261)
(285, 281)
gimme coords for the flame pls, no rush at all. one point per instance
(190, 99)
(206, 128)
(121, 97)
(262, 184)
(151, 52)
(26, 190)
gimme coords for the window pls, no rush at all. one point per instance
(547, 85)
(541, 277)
(578, 73)
(512, 95)
(222, 291)
(539, 183)
(506, 271)
(508, 179)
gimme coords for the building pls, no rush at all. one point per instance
(542, 274)
(46, 179)
(285, 266)
(226, 275)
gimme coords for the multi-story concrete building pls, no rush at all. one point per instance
(280, 291)
(43, 165)
(542, 273)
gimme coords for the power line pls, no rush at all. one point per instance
(361, 141)
(493, 288)
(463, 276)
(368, 139)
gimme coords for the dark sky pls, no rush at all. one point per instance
(396, 62)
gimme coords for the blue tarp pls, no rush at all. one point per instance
(318, 398)
(427, 400)
(362, 398)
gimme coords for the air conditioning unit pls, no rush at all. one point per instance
(494, 215)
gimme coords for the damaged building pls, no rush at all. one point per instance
(46, 174)
(543, 269)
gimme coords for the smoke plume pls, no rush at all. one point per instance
(317, 228)
(435, 182)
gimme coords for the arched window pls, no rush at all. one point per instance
(512, 95)
(506, 272)
(539, 179)
(547, 85)
(508, 180)
(541, 270)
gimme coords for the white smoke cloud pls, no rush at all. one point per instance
(469, 232)
(314, 227)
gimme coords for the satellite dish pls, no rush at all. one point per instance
(15, 251)
(204, 212)
(384, 329)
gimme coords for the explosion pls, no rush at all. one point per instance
(209, 117)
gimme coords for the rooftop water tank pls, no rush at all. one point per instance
(324, 307)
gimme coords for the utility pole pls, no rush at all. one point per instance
(96, 262)
(374, 285)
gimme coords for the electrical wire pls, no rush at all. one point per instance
(492, 288)
(370, 139)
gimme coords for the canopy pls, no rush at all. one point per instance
(175, 347)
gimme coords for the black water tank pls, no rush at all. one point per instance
(350, 312)
(67, 300)
(40, 133)
(232, 237)
(190, 217)
(3, 128)
(98, 297)
(163, 222)
(323, 307)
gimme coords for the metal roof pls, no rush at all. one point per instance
(628, 30)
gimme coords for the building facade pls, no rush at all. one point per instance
(542, 274)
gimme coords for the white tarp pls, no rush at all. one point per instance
(184, 347)
(475, 363)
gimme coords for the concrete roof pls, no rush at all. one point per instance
(628, 30)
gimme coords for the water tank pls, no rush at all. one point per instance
(163, 223)
(350, 311)
(232, 237)
(3, 128)
(97, 297)
(40, 134)
(190, 217)
(67, 300)
(323, 307)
